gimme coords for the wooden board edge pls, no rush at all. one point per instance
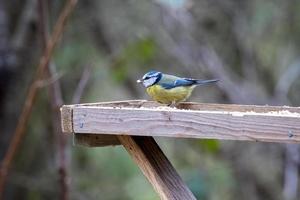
(67, 119)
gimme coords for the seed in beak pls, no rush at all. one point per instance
(139, 81)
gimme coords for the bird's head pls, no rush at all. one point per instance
(150, 78)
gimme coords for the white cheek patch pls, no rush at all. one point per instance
(149, 82)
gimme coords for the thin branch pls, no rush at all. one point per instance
(22, 27)
(82, 84)
(49, 81)
(32, 92)
(286, 80)
(56, 101)
(291, 172)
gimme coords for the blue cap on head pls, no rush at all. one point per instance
(151, 73)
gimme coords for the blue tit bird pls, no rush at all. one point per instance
(169, 89)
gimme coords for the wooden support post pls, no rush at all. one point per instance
(156, 167)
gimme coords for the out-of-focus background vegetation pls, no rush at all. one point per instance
(252, 46)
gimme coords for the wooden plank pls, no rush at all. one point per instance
(94, 140)
(156, 167)
(233, 122)
(90, 140)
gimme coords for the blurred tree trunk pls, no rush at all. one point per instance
(16, 59)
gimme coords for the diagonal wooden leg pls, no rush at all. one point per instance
(156, 167)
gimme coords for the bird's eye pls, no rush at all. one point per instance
(146, 78)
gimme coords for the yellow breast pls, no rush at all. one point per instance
(168, 96)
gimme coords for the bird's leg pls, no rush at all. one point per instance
(173, 104)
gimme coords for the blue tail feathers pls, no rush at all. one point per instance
(202, 82)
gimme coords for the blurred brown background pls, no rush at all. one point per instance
(252, 46)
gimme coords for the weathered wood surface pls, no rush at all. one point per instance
(192, 106)
(67, 119)
(189, 120)
(89, 140)
(156, 167)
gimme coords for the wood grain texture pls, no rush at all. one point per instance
(156, 167)
(190, 120)
(67, 119)
(130, 123)
(89, 140)
(253, 123)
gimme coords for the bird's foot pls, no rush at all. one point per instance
(173, 104)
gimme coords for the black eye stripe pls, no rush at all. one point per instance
(151, 75)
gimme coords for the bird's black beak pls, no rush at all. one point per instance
(139, 81)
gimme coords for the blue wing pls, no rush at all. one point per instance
(169, 81)
(177, 83)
